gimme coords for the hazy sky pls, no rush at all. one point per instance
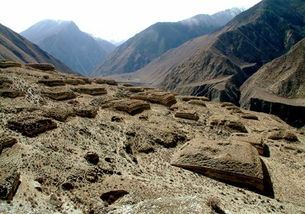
(109, 19)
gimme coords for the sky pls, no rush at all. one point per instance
(113, 20)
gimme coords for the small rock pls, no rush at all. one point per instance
(94, 91)
(58, 113)
(230, 125)
(9, 183)
(164, 98)
(6, 141)
(59, 95)
(92, 158)
(52, 82)
(41, 66)
(193, 98)
(9, 64)
(10, 93)
(132, 107)
(116, 119)
(249, 116)
(75, 82)
(89, 112)
(67, 186)
(198, 103)
(135, 89)
(283, 135)
(105, 81)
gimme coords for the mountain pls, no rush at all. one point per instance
(279, 87)
(216, 65)
(151, 43)
(64, 40)
(17, 48)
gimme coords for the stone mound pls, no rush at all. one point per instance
(164, 98)
(234, 163)
(75, 81)
(187, 115)
(105, 81)
(60, 94)
(52, 82)
(31, 126)
(6, 141)
(9, 64)
(189, 98)
(41, 66)
(94, 91)
(255, 141)
(283, 135)
(132, 107)
(10, 93)
(229, 125)
(59, 113)
(9, 183)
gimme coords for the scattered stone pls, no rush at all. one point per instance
(193, 98)
(9, 64)
(59, 95)
(132, 107)
(95, 91)
(9, 183)
(135, 89)
(31, 126)
(52, 82)
(249, 116)
(234, 163)
(89, 112)
(164, 98)
(187, 115)
(105, 81)
(283, 135)
(75, 82)
(10, 93)
(197, 102)
(116, 119)
(6, 141)
(42, 66)
(255, 141)
(59, 113)
(112, 196)
(235, 126)
(92, 158)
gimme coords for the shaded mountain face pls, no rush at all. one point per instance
(279, 87)
(217, 65)
(151, 43)
(17, 48)
(65, 41)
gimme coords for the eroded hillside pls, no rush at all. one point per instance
(77, 145)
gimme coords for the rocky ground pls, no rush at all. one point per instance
(70, 144)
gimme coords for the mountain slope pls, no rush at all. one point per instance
(216, 65)
(15, 47)
(64, 40)
(279, 87)
(159, 38)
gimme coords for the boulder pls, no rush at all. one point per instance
(41, 66)
(59, 95)
(31, 126)
(283, 135)
(164, 98)
(187, 115)
(10, 93)
(255, 141)
(95, 91)
(197, 98)
(112, 196)
(229, 125)
(52, 82)
(9, 64)
(132, 107)
(233, 163)
(9, 183)
(105, 81)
